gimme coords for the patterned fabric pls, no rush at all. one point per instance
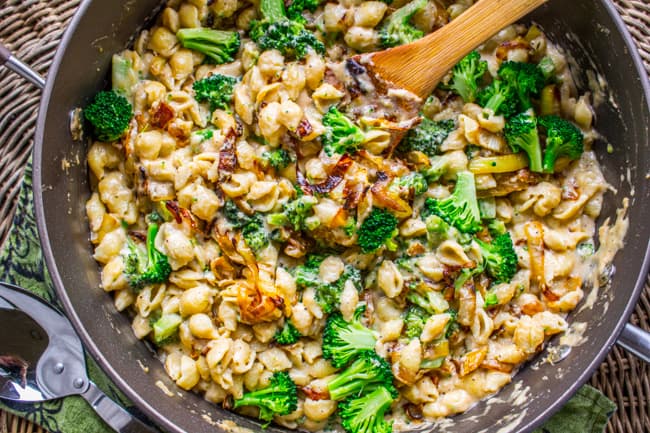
(22, 264)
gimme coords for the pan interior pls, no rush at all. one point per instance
(80, 70)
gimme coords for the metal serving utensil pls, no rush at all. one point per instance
(41, 358)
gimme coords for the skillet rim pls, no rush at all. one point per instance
(159, 418)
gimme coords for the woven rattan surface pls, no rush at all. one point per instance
(32, 30)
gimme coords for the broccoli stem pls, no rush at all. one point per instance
(273, 10)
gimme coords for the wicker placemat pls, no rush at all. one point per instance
(33, 28)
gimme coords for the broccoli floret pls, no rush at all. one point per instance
(306, 275)
(366, 414)
(218, 45)
(204, 134)
(460, 209)
(255, 234)
(500, 97)
(278, 158)
(500, 257)
(252, 227)
(288, 334)
(343, 340)
(466, 76)
(216, 90)
(379, 228)
(165, 328)
(496, 227)
(563, 138)
(430, 301)
(279, 398)
(295, 9)
(297, 214)
(367, 371)
(151, 268)
(235, 216)
(327, 294)
(413, 182)
(526, 79)
(491, 299)
(414, 321)
(397, 29)
(427, 137)
(341, 135)
(547, 67)
(467, 274)
(109, 115)
(276, 31)
(521, 134)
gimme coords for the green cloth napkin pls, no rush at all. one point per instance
(22, 264)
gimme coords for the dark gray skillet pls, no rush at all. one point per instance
(589, 29)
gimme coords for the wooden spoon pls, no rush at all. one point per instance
(420, 65)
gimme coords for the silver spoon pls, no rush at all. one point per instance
(41, 358)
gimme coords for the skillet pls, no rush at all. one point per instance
(590, 30)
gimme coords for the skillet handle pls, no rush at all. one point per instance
(10, 62)
(113, 414)
(635, 340)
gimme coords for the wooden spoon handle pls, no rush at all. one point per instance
(419, 66)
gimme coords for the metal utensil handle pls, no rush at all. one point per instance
(635, 340)
(12, 63)
(113, 414)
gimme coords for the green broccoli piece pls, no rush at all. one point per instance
(526, 79)
(205, 134)
(467, 274)
(306, 275)
(341, 134)
(343, 340)
(397, 29)
(277, 31)
(500, 97)
(427, 137)
(521, 134)
(466, 76)
(218, 45)
(327, 294)
(152, 268)
(255, 234)
(297, 214)
(234, 215)
(547, 67)
(438, 230)
(428, 300)
(366, 414)
(295, 9)
(366, 372)
(491, 299)
(109, 115)
(279, 398)
(252, 227)
(165, 328)
(379, 228)
(278, 158)
(460, 209)
(563, 138)
(287, 335)
(496, 227)
(414, 321)
(216, 90)
(414, 182)
(500, 257)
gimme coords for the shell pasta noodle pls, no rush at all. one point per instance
(301, 243)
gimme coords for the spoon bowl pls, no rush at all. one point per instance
(41, 358)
